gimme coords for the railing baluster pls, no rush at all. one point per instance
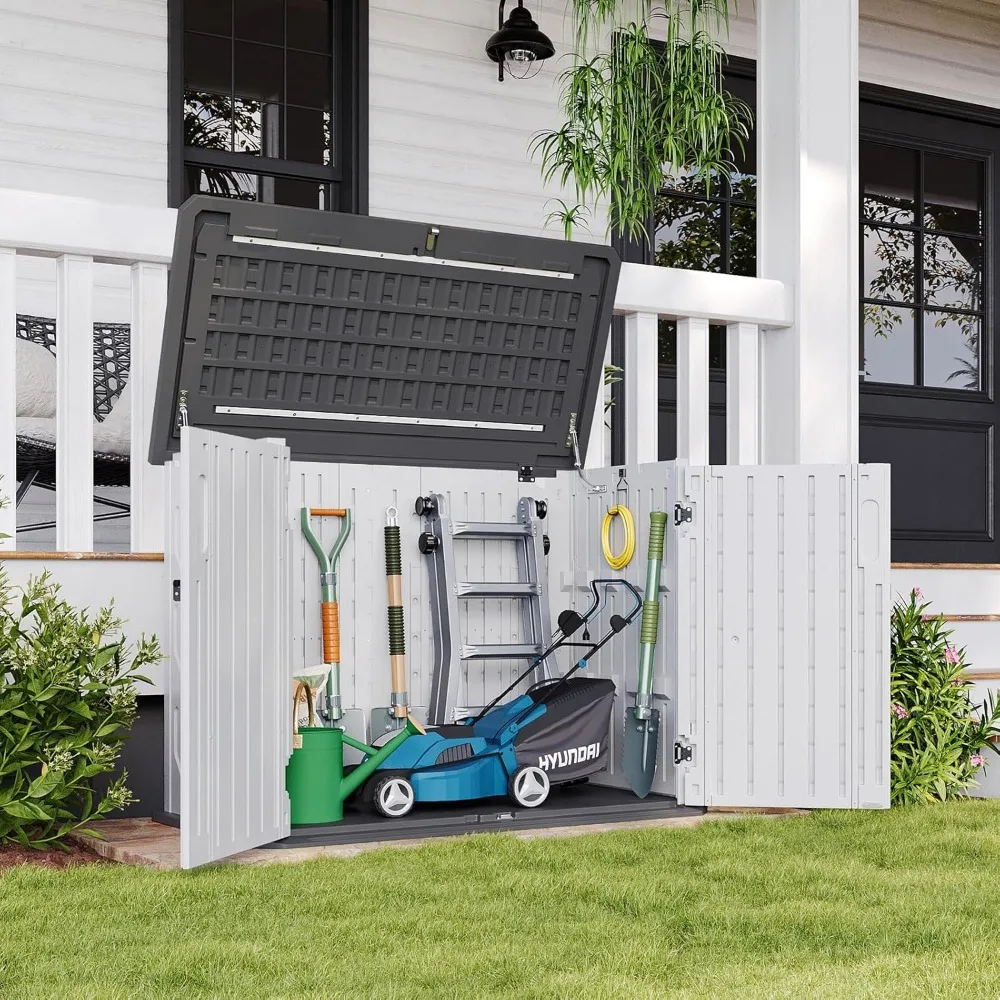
(692, 391)
(641, 378)
(8, 402)
(742, 394)
(74, 403)
(149, 303)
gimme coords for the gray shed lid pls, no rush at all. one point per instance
(370, 340)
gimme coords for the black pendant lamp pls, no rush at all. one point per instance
(519, 45)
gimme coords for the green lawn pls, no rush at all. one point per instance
(898, 904)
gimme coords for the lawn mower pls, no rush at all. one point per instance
(555, 733)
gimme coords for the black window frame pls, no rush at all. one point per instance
(921, 146)
(348, 171)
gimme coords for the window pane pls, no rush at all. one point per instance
(304, 194)
(215, 16)
(743, 187)
(308, 135)
(309, 80)
(952, 271)
(688, 234)
(309, 25)
(208, 64)
(257, 128)
(743, 241)
(951, 350)
(259, 72)
(953, 193)
(208, 121)
(888, 182)
(260, 21)
(222, 183)
(667, 344)
(888, 344)
(888, 262)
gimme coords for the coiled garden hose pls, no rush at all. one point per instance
(397, 627)
(650, 613)
(624, 557)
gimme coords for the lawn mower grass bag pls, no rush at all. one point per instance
(570, 741)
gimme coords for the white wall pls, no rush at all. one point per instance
(947, 48)
(449, 142)
(83, 98)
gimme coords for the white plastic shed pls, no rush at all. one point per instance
(301, 346)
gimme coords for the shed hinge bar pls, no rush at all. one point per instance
(683, 753)
(682, 514)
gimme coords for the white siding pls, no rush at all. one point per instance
(449, 142)
(947, 48)
(83, 98)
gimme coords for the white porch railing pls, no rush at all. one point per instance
(746, 306)
(80, 234)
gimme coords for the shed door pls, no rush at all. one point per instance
(797, 597)
(235, 644)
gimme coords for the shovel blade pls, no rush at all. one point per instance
(642, 738)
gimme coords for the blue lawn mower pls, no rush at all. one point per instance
(555, 733)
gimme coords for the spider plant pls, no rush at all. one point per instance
(637, 110)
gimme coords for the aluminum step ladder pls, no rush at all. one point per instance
(438, 543)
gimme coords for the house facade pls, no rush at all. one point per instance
(831, 303)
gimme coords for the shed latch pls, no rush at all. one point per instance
(683, 753)
(177, 590)
(682, 514)
(526, 474)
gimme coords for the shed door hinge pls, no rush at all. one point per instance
(682, 514)
(177, 590)
(683, 753)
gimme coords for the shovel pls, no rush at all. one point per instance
(642, 722)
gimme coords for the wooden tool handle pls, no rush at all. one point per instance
(330, 612)
(327, 512)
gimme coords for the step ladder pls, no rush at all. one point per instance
(438, 543)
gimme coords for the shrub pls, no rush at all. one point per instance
(67, 700)
(939, 736)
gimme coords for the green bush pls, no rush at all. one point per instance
(67, 701)
(938, 734)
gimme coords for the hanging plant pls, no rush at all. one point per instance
(637, 112)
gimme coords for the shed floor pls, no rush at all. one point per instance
(573, 805)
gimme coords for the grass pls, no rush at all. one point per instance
(897, 904)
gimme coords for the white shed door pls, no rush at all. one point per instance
(235, 646)
(796, 623)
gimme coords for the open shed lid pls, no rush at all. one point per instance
(359, 339)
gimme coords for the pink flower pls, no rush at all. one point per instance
(977, 760)
(899, 711)
(951, 655)
(917, 593)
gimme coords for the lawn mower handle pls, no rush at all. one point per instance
(561, 641)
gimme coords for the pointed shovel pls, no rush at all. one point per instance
(642, 721)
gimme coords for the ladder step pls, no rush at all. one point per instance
(508, 651)
(474, 589)
(486, 529)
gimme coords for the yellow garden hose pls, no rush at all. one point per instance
(624, 557)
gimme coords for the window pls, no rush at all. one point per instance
(268, 101)
(923, 259)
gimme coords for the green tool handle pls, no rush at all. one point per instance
(650, 613)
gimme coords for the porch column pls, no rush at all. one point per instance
(807, 225)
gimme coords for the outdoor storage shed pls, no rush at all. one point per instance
(318, 360)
